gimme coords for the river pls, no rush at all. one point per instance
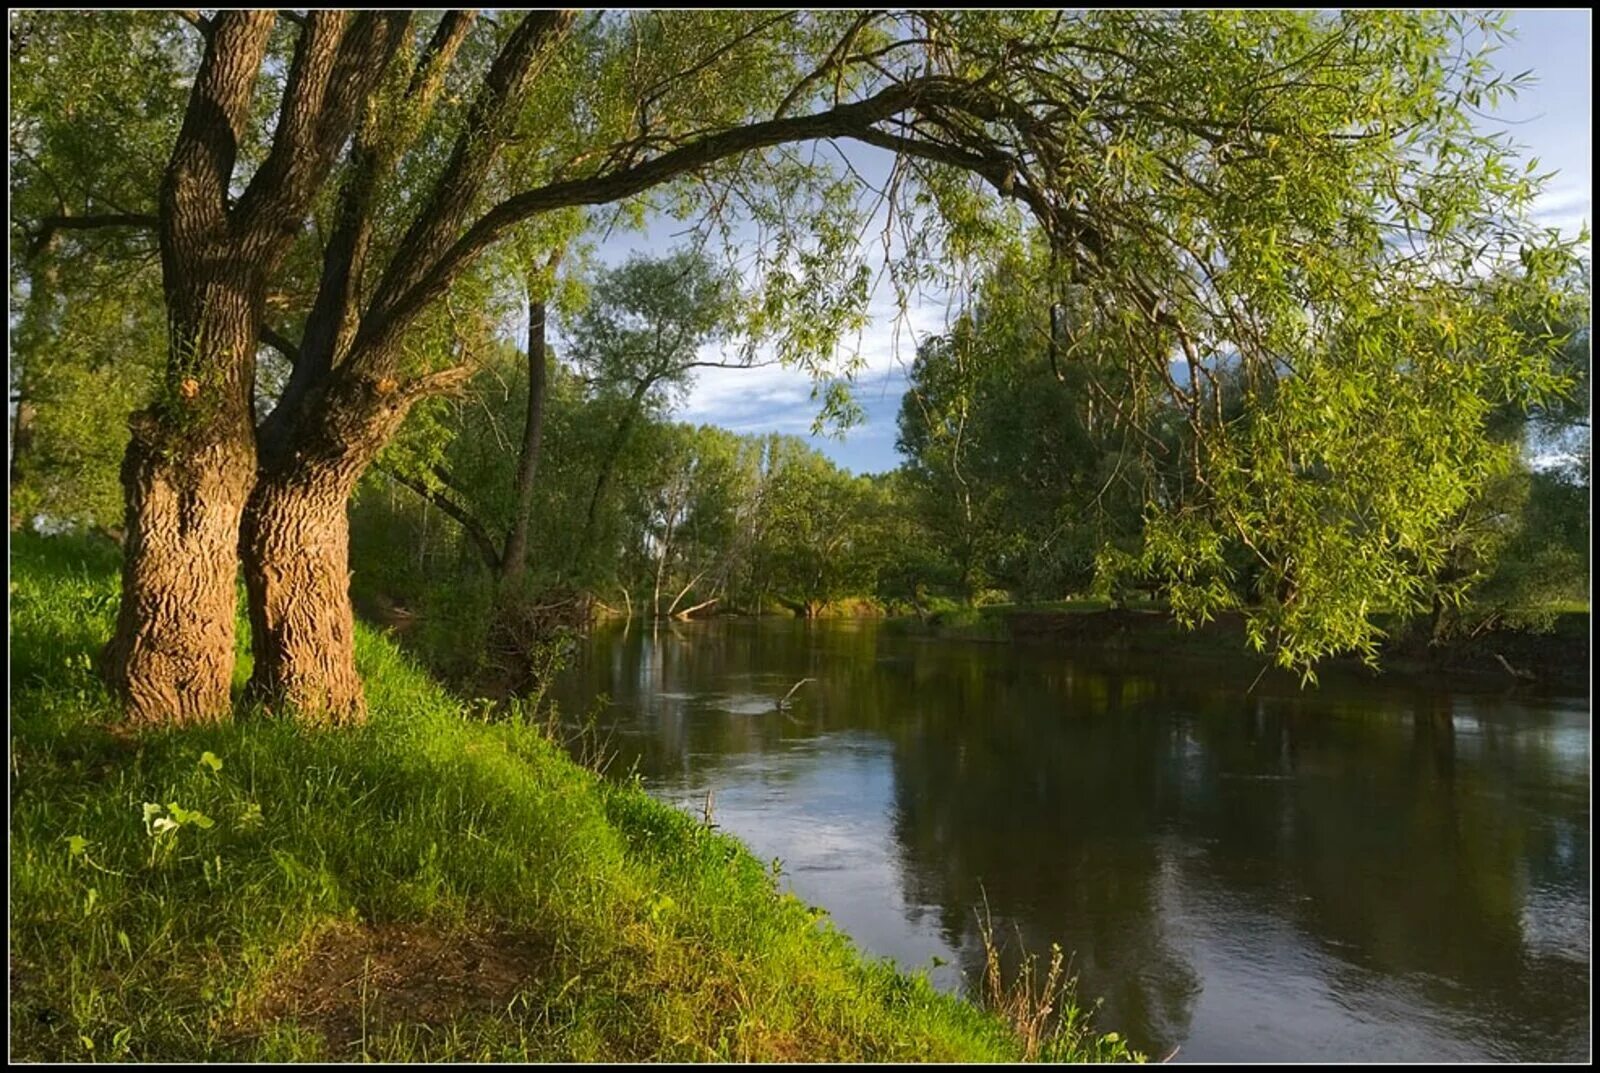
(1240, 869)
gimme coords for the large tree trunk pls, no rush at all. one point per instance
(296, 548)
(296, 545)
(171, 657)
(191, 462)
(186, 475)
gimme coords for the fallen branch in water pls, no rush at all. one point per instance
(1512, 671)
(686, 612)
(684, 592)
(791, 692)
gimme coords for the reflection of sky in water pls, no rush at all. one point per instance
(828, 821)
(1359, 872)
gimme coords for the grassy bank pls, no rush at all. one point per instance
(427, 887)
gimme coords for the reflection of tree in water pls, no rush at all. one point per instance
(1003, 791)
(1397, 841)
(1419, 865)
(694, 697)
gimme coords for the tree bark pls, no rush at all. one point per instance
(296, 545)
(191, 463)
(186, 475)
(171, 656)
(296, 549)
(514, 560)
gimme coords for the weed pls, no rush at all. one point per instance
(1043, 1011)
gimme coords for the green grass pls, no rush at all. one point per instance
(425, 887)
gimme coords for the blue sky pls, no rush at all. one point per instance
(1551, 119)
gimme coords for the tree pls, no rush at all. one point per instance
(818, 544)
(941, 441)
(86, 332)
(1519, 548)
(1226, 184)
(640, 338)
(421, 470)
(697, 521)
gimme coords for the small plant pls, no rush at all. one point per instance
(1044, 1013)
(163, 822)
(249, 816)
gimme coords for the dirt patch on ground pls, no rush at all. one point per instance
(356, 981)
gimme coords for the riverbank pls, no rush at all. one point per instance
(1556, 660)
(428, 887)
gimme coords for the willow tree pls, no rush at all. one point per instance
(1230, 186)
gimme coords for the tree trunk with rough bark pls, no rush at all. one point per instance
(171, 656)
(191, 459)
(186, 475)
(191, 464)
(296, 549)
(296, 544)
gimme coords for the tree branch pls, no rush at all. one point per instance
(198, 21)
(473, 529)
(280, 342)
(338, 64)
(46, 231)
(474, 152)
(330, 323)
(194, 187)
(433, 279)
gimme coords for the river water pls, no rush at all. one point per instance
(1365, 870)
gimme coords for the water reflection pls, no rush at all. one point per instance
(1362, 871)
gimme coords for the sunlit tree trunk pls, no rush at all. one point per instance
(191, 464)
(191, 459)
(171, 656)
(296, 544)
(296, 550)
(186, 474)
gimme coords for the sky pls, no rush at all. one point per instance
(1551, 120)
